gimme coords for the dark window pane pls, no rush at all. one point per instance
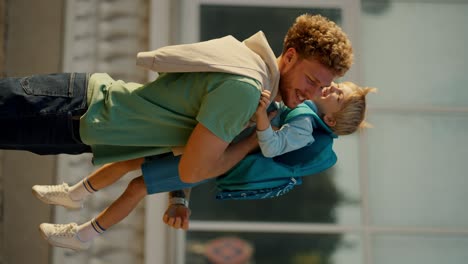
(314, 201)
(243, 21)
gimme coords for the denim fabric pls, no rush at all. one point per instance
(40, 113)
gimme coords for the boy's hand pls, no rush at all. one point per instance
(261, 115)
(264, 102)
(177, 216)
(272, 114)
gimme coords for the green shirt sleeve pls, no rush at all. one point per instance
(226, 110)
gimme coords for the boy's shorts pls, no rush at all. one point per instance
(161, 174)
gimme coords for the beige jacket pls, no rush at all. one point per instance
(252, 58)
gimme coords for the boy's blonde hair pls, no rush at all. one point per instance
(314, 36)
(352, 114)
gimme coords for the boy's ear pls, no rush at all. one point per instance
(329, 120)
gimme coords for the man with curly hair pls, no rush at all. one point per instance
(205, 95)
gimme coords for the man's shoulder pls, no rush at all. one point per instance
(228, 79)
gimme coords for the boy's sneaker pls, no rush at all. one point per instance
(64, 236)
(56, 194)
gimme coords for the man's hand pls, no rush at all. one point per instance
(177, 216)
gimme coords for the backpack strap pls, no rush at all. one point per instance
(260, 193)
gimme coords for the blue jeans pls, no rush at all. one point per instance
(40, 113)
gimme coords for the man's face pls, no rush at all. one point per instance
(301, 79)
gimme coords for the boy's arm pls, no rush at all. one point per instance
(263, 120)
(289, 137)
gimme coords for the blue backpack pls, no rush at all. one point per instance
(258, 177)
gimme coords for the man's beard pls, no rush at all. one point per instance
(288, 96)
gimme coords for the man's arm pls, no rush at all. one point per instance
(178, 213)
(207, 156)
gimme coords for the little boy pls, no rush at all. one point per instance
(341, 107)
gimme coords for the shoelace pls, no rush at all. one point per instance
(58, 190)
(64, 230)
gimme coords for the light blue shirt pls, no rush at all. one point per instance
(291, 136)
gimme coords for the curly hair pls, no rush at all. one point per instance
(314, 36)
(352, 114)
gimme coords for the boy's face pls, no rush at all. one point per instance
(332, 98)
(301, 79)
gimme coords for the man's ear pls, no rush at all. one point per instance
(288, 59)
(290, 56)
(329, 120)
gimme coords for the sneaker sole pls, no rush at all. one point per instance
(44, 200)
(55, 244)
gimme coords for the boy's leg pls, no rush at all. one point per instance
(121, 207)
(112, 172)
(78, 237)
(72, 197)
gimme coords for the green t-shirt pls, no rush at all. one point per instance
(129, 120)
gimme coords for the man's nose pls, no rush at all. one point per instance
(335, 89)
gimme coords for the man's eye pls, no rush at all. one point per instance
(312, 82)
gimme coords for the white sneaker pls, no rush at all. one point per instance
(64, 236)
(56, 194)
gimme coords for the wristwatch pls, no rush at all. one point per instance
(179, 200)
